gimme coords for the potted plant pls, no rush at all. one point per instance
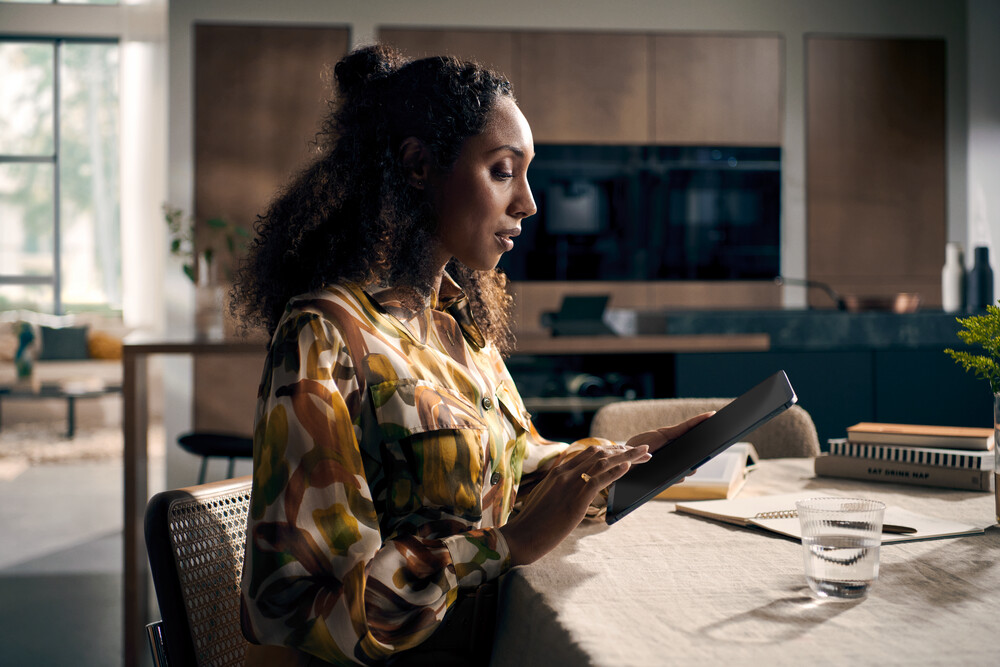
(200, 267)
(200, 264)
(983, 331)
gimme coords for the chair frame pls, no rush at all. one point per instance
(203, 521)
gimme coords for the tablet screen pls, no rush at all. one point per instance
(711, 437)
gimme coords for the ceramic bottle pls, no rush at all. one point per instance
(953, 279)
(979, 283)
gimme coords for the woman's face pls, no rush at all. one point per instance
(480, 203)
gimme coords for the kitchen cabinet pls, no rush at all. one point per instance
(876, 165)
(627, 88)
(717, 89)
(926, 385)
(493, 48)
(833, 386)
(585, 87)
(259, 96)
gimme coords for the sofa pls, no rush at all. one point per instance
(83, 349)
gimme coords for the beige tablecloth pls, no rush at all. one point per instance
(662, 588)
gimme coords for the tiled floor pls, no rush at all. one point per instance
(61, 565)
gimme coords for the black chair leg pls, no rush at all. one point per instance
(232, 468)
(204, 469)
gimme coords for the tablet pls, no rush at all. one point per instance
(676, 460)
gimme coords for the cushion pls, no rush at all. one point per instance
(64, 343)
(8, 341)
(103, 345)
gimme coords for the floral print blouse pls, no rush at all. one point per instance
(389, 446)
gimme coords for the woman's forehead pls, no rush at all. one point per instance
(507, 127)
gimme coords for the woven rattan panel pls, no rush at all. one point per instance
(208, 537)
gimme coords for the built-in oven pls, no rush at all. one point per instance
(651, 213)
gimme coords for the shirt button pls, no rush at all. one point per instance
(487, 403)
(494, 478)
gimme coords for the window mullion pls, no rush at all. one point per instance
(57, 203)
(29, 159)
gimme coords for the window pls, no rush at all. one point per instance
(60, 248)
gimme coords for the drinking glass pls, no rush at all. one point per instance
(841, 538)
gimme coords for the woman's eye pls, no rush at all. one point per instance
(502, 174)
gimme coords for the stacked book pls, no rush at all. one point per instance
(945, 456)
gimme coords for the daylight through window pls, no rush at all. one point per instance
(59, 199)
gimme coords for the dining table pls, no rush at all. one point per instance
(660, 587)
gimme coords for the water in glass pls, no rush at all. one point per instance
(841, 566)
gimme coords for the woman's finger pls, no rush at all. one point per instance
(606, 469)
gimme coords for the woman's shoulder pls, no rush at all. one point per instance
(343, 294)
(338, 306)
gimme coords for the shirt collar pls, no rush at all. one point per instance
(450, 298)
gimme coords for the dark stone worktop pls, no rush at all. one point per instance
(820, 329)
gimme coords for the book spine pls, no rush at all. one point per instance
(942, 458)
(915, 440)
(903, 473)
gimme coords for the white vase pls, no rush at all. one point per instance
(953, 279)
(208, 302)
(208, 321)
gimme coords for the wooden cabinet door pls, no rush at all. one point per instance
(259, 98)
(717, 89)
(492, 48)
(876, 165)
(585, 88)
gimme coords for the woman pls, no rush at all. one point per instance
(390, 442)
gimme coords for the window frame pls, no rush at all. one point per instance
(56, 277)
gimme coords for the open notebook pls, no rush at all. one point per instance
(722, 477)
(777, 514)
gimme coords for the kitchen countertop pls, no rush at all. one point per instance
(639, 344)
(818, 329)
(784, 330)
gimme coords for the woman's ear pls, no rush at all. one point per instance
(416, 161)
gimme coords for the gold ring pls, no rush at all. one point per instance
(585, 477)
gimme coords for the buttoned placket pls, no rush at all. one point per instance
(488, 403)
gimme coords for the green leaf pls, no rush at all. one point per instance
(189, 272)
(217, 223)
(982, 331)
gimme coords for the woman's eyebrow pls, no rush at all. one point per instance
(508, 147)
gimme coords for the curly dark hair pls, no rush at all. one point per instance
(351, 215)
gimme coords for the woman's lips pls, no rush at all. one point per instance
(506, 238)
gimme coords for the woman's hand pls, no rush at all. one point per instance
(560, 501)
(654, 440)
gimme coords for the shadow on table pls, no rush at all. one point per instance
(779, 620)
(952, 574)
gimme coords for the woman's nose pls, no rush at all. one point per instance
(524, 203)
